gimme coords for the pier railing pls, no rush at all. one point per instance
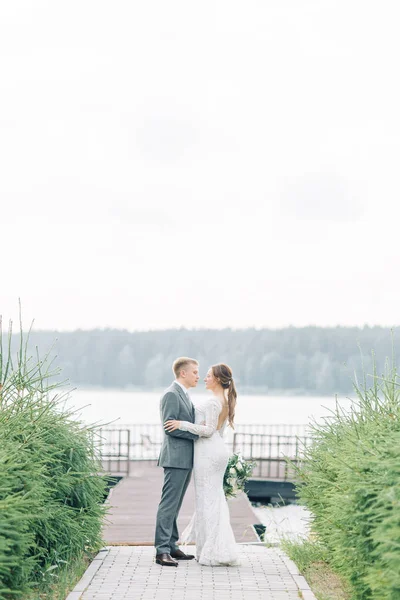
(267, 445)
(115, 448)
(270, 451)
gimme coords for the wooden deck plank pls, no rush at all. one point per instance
(134, 502)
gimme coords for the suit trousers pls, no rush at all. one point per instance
(175, 485)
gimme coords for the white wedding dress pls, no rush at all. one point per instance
(210, 525)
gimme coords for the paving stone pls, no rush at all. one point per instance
(130, 573)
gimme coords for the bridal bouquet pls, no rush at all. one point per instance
(237, 473)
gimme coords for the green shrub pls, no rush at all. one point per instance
(51, 486)
(350, 481)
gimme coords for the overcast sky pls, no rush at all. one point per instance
(200, 164)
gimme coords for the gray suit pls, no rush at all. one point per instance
(176, 457)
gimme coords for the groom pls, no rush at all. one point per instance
(176, 457)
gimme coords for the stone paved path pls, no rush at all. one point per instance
(130, 573)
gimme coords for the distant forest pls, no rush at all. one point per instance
(308, 360)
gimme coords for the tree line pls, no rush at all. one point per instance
(297, 360)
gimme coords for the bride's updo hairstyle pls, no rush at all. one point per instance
(223, 374)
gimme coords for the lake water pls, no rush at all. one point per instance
(127, 407)
(284, 522)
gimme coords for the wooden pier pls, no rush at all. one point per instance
(133, 504)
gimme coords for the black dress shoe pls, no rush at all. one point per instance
(165, 560)
(179, 555)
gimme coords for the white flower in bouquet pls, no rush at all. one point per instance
(236, 474)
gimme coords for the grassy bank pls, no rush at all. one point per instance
(59, 588)
(312, 559)
(51, 492)
(350, 482)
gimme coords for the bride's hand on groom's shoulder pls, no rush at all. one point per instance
(171, 425)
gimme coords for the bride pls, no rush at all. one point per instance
(215, 542)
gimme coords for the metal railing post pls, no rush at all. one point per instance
(128, 452)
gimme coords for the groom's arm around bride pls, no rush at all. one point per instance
(170, 405)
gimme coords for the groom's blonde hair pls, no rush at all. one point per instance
(182, 363)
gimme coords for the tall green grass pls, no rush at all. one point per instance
(51, 487)
(350, 481)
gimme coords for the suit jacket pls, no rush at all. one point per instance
(177, 446)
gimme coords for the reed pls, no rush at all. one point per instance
(51, 486)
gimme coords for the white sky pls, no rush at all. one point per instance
(214, 163)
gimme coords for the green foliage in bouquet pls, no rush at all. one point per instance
(237, 473)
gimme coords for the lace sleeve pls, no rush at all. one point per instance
(212, 413)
